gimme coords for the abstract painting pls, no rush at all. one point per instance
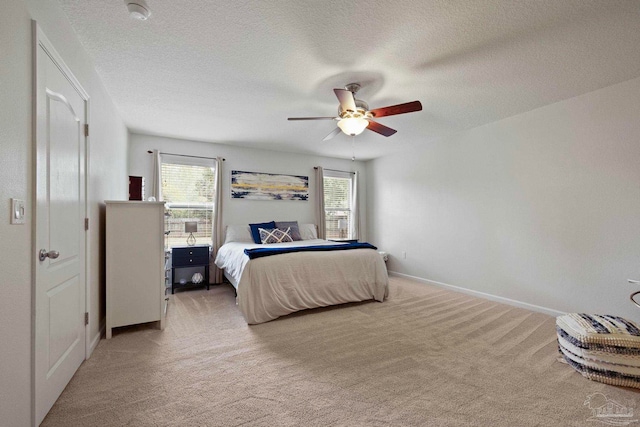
(268, 186)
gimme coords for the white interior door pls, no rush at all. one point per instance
(60, 281)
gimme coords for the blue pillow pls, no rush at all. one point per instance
(255, 233)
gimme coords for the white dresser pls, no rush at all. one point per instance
(135, 263)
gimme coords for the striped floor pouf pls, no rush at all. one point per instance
(601, 347)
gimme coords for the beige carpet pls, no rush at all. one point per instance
(425, 357)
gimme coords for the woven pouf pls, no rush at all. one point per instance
(601, 347)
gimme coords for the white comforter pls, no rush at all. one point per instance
(273, 286)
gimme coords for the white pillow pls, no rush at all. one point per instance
(308, 231)
(238, 233)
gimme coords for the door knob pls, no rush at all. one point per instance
(51, 254)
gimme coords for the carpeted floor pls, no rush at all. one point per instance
(425, 357)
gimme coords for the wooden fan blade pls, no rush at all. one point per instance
(332, 134)
(347, 102)
(381, 129)
(311, 118)
(408, 107)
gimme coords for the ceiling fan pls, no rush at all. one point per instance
(354, 115)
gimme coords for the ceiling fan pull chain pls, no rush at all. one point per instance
(353, 148)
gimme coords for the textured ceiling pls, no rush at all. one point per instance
(232, 71)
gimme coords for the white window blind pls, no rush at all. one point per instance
(338, 187)
(188, 190)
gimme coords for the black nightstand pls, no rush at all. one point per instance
(192, 257)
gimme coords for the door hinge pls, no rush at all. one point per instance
(86, 223)
(86, 130)
(86, 318)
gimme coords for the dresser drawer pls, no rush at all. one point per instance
(183, 257)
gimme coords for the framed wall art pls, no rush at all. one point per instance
(268, 186)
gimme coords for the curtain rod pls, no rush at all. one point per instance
(186, 155)
(334, 170)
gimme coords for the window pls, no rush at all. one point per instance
(188, 190)
(338, 205)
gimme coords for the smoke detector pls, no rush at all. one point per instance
(138, 9)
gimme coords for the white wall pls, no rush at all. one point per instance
(240, 211)
(15, 240)
(108, 180)
(542, 208)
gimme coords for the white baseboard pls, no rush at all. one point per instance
(96, 340)
(484, 295)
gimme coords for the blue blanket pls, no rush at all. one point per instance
(267, 251)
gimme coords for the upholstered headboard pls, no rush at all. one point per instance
(242, 233)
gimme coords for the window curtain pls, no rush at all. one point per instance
(215, 274)
(320, 216)
(156, 184)
(355, 211)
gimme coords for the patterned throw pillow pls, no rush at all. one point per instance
(275, 235)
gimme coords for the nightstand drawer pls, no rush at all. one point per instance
(185, 262)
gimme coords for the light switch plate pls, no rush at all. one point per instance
(17, 211)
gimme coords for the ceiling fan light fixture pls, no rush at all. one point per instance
(354, 115)
(138, 9)
(353, 125)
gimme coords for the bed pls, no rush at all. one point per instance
(269, 287)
